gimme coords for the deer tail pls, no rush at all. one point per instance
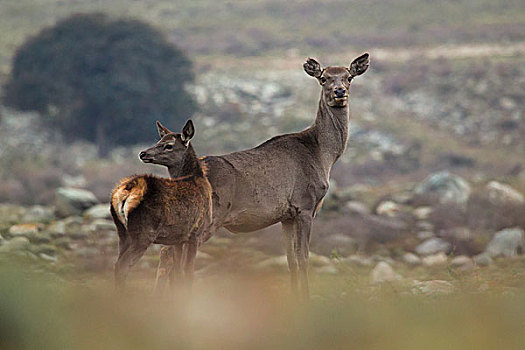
(127, 195)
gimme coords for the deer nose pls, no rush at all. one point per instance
(142, 155)
(339, 92)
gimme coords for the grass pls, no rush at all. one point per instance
(236, 310)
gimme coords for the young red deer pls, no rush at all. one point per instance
(286, 178)
(175, 212)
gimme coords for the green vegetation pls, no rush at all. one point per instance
(91, 75)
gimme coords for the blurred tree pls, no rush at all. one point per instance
(101, 79)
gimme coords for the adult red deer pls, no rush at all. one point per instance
(286, 178)
(175, 212)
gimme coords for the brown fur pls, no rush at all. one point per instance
(147, 209)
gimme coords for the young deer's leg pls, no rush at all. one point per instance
(302, 247)
(189, 263)
(163, 269)
(127, 259)
(289, 242)
(175, 270)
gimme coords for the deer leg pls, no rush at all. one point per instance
(302, 248)
(189, 263)
(163, 269)
(175, 271)
(127, 259)
(289, 242)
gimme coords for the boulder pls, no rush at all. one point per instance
(411, 259)
(462, 262)
(358, 260)
(388, 208)
(435, 260)
(383, 272)
(423, 213)
(38, 213)
(11, 214)
(273, 263)
(432, 287)
(15, 244)
(23, 230)
(483, 260)
(507, 242)
(445, 187)
(99, 211)
(358, 208)
(499, 193)
(73, 201)
(433, 246)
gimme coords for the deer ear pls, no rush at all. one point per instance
(188, 131)
(359, 65)
(163, 131)
(313, 68)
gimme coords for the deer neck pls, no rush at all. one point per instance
(190, 165)
(331, 130)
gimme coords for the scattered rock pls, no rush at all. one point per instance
(507, 242)
(38, 213)
(383, 272)
(329, 270)
(343, 244)
(73, 201)
(57, 228)
(432, 287)
(316, 260)
(358, 260)
(358, 208)
(98, 211)
(11, 214)
(435, 260)
(411, 259)
(463, 262)
(273, 263)
(500, 193)
(483, 260)
(424, 235)
(433, 246)
(388, 208)
(423, 213)
(25, 230)
(425, 226)
(15, 244)
(49, 258)
(445, 187)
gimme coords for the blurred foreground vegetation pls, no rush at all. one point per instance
(238, 310)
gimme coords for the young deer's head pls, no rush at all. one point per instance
(171, 148)
(336, 81)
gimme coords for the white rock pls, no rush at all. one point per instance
(423, 213)
(433, 246)
(500, 193)
(435, 260)
(447, 187)
(388, 208)
(383, 272)
(99, 211)
(15, 244)
(432, 287)
(411, 259)
(506, 242)
(73, 201)
(461, 261)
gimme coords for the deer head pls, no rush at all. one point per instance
(336, 81)
(171, 148)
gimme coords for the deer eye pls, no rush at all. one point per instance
(323, 80)
(168, 147)
(350, 79)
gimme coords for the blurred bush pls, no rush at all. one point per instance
(101, 79)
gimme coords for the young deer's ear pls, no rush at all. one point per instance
(313, 68)
(359, 65)
(188, 131)
(163, 131)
